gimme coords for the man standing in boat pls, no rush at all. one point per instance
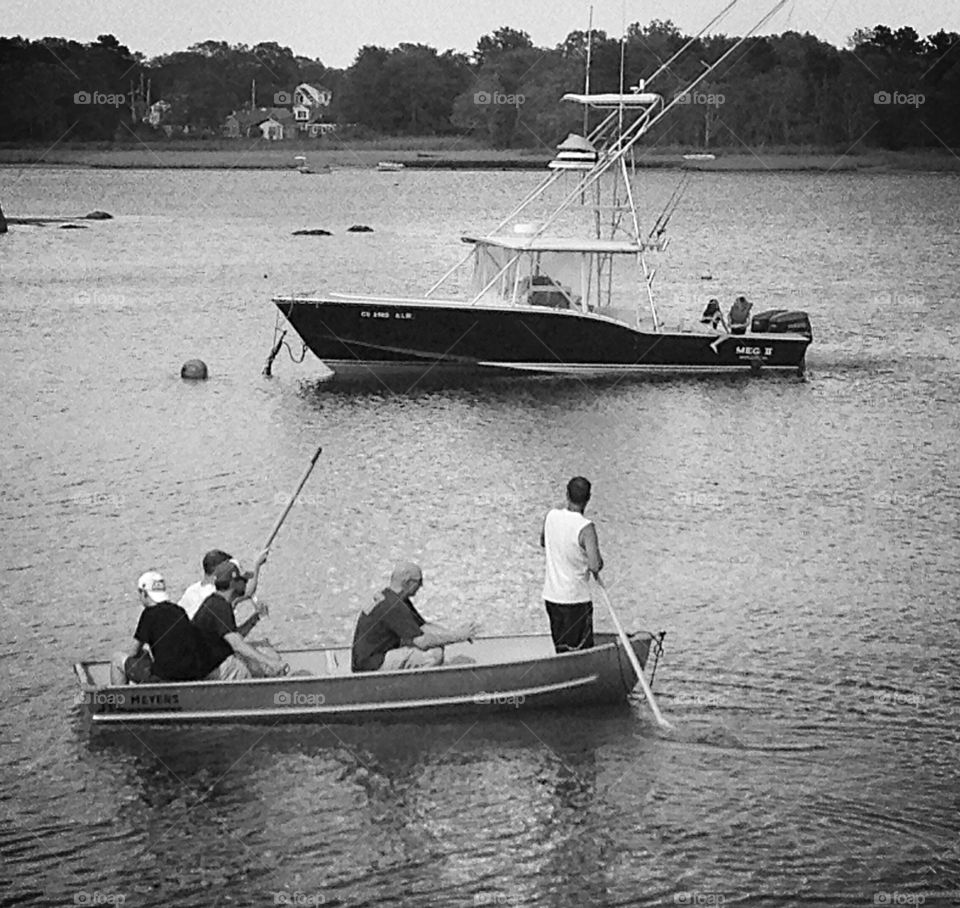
(393, 635)
(572, 554)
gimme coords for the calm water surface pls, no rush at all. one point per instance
(797, 539)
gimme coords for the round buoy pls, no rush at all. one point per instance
(194, 369)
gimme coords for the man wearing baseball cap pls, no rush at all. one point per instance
(193, 595)
(231, 658)
(176, 647)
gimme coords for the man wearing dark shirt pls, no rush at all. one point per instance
(393, 635)
(176, 647)
(231, 658)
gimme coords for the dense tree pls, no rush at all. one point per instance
(888, 88)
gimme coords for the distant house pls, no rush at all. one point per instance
(310, 106)
(157, 113)
(306, 116)
(273, 123)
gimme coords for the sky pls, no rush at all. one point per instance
(334, 30)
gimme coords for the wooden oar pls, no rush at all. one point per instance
(632, 656)
(293, 498)
(283, 516)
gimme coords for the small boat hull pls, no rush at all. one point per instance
(364, 336)
(508, 673)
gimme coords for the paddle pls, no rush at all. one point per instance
(632, 656)
(293, 498)
(286, 510)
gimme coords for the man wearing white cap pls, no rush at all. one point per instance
(176, 647)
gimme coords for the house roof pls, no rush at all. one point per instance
(248, 118)
(313, 92)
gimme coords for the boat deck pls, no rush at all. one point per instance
(335, 662)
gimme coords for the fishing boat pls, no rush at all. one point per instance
(390, 166)
(564, 285)
(489, 674)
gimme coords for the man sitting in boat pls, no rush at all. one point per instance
(740, 315)
(393, 635)
(231, 657)
(176, 647)
(193, 595)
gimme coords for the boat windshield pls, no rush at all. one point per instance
(577, 279)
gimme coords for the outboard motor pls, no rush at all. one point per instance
(782, 321)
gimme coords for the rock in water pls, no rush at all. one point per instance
(359, 228)
(194, 369)
(313, 231)
(99, 216)
(73, 226)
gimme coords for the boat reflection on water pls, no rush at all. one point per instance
(341, 805)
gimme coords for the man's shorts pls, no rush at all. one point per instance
(404, 657)
(233, 668)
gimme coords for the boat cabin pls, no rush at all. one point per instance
(553, 272)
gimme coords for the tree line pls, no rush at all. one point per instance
(887, 89)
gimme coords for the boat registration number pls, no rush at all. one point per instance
(379, 313)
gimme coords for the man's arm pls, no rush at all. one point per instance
(133, 649)
(433, 635)
(591, 545)
(255, 579)
(242, 648)
(260, 611)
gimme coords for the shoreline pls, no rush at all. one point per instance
(425, 157)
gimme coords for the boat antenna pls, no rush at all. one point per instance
(586, 77)
(696, 37)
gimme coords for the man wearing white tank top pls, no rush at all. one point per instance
(573, 553)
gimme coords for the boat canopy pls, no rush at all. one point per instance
(613, 100)
(522, 243)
